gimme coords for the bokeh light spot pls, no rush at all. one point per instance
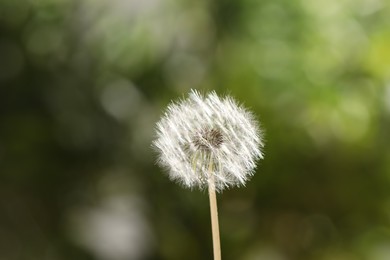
(121, 99)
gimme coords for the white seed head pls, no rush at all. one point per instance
(208, 140)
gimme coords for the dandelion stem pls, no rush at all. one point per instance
(214, 215)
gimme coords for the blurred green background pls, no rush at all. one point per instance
(83, 82)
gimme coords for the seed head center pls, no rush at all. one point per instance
(208, 139)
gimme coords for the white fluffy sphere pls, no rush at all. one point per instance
(208, 140)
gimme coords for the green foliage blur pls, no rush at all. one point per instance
(82, 84)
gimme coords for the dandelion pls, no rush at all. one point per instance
(209, 142)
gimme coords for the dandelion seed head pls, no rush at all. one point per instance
(208, 140)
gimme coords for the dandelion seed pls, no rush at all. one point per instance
(208, 140)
